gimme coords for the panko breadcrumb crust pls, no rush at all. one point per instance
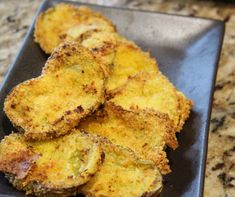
(69, 88)
(47, 173)
(147, 90)
(146, 132)
(133, 176)
(63, 112)
(52, 25)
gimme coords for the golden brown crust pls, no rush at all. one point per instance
(52, 104)
(143, 111)
(18, 163)
(145, 178)
(60, 167)
(52, 26)
(185, 106)
(136, 118)
(152, 91)
(144, 131)
(16, 158)
(65, 22)
(128, 61)
(131, 176)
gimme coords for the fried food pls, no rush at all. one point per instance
(70, 87)
(128, 61)
(123, 174)
(144, 131)
(62, 166)
(65, 22)
(57, 167)
(75, 142)
(103, 45)
(150, 91)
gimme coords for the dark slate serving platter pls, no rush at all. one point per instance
(187, 50)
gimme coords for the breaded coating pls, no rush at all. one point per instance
(123, 174)
(15, 156)
(89, 28)
(103, 45)
(55, 167)
(144, 131)
(65, 22)
(62, 166)
(151, 91)
(127, 62)
(70, 87)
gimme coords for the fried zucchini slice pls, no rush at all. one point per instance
(144, 131)
(151, 91)
(70, 87)
(123, 174)
(128, 61)
(58, 166)
(65, 22)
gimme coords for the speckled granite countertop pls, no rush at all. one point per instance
(16, 16)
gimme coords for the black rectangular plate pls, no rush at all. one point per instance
(187, 50)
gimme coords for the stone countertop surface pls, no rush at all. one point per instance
(16, 16)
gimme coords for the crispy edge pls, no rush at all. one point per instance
(18, 163)
(57, 59)
(132, 117)
(39, 36)
(137, 119)
(184, 104)
(40, 189)
(118, 148)
(129, 116)
(65, 120)
(97, 14)
(62, 53)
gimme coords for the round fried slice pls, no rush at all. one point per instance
(147, 90)
(71, 86)
(55, 167)
(123, 174)
(65, 22)
(127, 62)
(144, 131)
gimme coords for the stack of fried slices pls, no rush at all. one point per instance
(97, 120)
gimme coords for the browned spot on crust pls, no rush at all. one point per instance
(13, 106)
(105, 49)
(19, 163)
(68, 112)
(63, 36)
(39, 179)
(79, 109)
(90, 88)
(102, 157)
